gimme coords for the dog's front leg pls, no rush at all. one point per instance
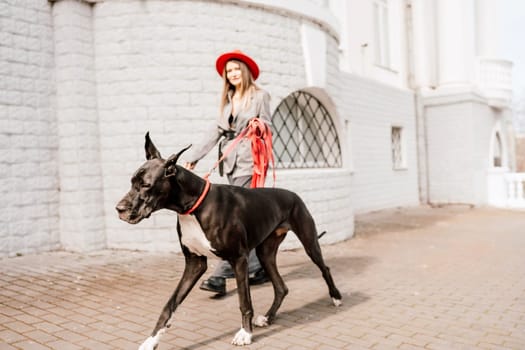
(193, 270)
(244, 335)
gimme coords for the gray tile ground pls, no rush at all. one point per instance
(417, 278)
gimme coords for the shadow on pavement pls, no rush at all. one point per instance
(313, 311)
(351, 265)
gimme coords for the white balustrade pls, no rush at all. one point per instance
(515, 189)
(495, 80)
(505, 190)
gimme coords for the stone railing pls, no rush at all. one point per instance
(495, 81)
(506, 190)
(515, 189)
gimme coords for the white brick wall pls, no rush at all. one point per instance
(459, 148)
(28, 138)
(127, 67)
(372, 109)
(330, 202)
(366, 112)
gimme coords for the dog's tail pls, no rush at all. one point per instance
(321, 235)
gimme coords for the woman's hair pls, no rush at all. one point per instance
(246, 89)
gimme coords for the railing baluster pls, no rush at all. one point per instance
(519, 187)
(511, 191)
(511, 188)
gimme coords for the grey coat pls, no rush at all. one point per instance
(239, 162)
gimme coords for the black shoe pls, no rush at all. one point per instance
(215, 285)
(259, 278)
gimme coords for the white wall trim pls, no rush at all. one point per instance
(314, 52)
(299, 8)
(318, 14)
(460, 95)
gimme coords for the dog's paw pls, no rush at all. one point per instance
(149, 344)
(242, 338)
(152, 342)
(261, 321)
(337, 302)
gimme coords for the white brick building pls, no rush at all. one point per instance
(419, 105)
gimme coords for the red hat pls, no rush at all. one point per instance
(237, 55)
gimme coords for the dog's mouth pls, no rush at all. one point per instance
(134, 217)
(133, 209)
(133, 221)
(131, 216)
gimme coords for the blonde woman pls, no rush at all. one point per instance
(241, 100)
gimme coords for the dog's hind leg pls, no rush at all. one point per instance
(314, 252)
(304, 227)
(267, 252)
(193, 270)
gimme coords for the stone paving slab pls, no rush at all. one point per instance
(412, 278)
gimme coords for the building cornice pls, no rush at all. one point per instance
(320, 15)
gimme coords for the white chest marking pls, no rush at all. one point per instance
(193, 237)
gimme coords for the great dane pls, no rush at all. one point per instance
(225, 222)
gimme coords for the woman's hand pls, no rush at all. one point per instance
(190, 166)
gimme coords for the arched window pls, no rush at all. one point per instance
(304, 135)
(496, 162)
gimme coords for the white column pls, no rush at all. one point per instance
(488, 28)
(494, 75)
(340, 10)
(314, 52)
(452, 37)
(423, 35)
(81, 189)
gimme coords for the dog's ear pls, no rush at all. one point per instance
(169, 167)
(151, 150)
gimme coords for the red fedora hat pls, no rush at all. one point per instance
(237, 55)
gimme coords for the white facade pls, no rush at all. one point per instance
(416, 105)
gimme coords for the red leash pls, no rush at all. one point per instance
(227, 151)
(262, 151)
(260, 136)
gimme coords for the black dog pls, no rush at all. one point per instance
(221, 221)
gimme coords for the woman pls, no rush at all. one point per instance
(241, 100)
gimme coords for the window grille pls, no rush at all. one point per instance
(304, 135)
(397, 148)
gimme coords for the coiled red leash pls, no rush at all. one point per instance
(260, 136)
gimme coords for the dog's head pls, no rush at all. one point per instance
(150, 185)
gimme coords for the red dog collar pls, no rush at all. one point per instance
(200, 199)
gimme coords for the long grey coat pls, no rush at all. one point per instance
(239, 162)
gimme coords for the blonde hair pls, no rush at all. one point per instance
(246, 89)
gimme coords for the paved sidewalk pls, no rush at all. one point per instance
(419, 278)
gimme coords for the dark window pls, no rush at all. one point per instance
(304, 135)
(398, 161)
(497, 151)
